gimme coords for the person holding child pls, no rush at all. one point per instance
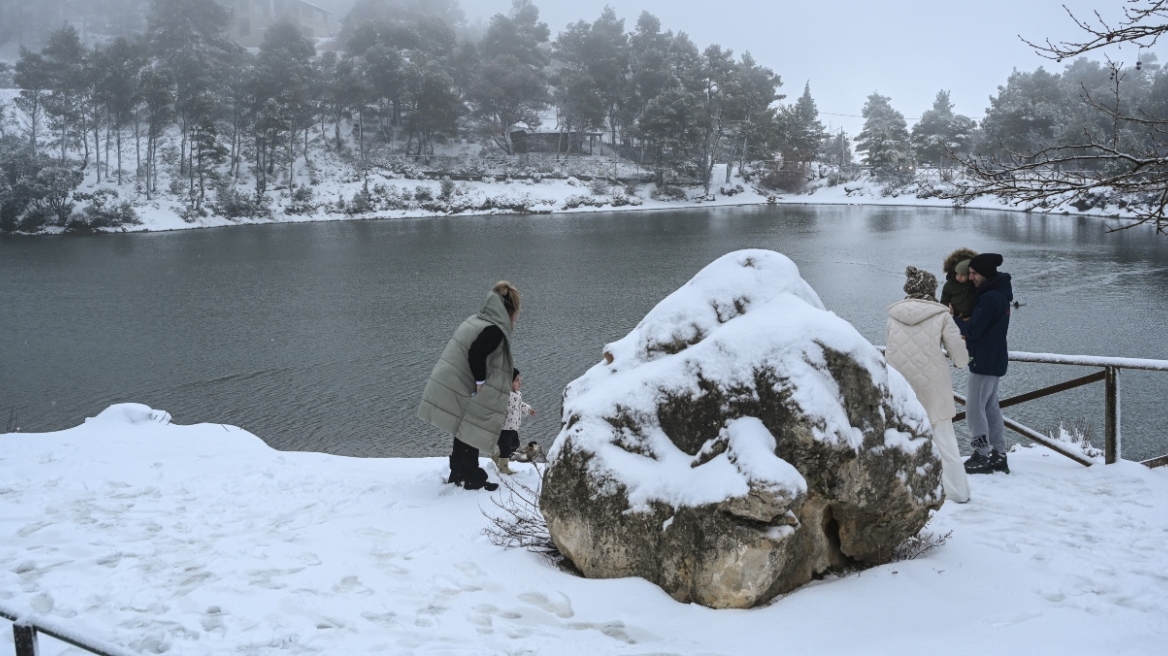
(469, 388)
(985, 337)
(509, 437)
(918, 327)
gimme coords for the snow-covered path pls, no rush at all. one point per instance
(203, 540)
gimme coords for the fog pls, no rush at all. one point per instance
(905, 49)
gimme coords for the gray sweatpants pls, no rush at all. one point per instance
(986, 429)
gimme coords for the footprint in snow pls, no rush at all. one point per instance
(212, 622)
(384, 620)
(615, 630)
(561, 607)
(352, 585)
(29, 529)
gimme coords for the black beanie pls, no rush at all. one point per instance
(986, 264)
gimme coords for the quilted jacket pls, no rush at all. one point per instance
(916, 332)
(449, 400)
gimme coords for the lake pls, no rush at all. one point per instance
(320, 336)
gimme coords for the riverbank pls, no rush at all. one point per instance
(563, 196)
(330, 191)
(202, 540)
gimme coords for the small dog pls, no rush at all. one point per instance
(532, 452)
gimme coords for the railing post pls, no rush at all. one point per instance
(1113, 441)
(25, 637)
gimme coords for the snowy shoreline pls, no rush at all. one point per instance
(558, 196)
(203, 540)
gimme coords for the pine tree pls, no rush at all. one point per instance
(940, 134)
(804, 131)
(284, 75)
(511, 88)
(884, 139)
(1025, 113)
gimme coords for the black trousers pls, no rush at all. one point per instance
(508, 443)
(464, 466)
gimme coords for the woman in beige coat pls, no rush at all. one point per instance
(918, 326)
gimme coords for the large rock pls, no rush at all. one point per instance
(739, 442)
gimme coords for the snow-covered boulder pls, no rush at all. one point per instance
(740, 441)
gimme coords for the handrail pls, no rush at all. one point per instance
(25, 627)
(1089, 361)
(1113, 442)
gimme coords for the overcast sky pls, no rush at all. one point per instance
(905, 49)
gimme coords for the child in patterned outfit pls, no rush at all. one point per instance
(509, 437)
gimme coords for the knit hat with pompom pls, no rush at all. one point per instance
(920, 284)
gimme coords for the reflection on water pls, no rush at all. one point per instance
(320, 336)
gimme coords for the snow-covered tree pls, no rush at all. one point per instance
(884, 139)
(803, 130)
(511, 88)
(837, 150)
(940, 134)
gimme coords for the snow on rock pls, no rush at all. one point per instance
(740, 441)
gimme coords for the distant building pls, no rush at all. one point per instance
(253, 17)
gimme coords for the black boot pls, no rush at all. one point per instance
(997, 462)
(978, 464)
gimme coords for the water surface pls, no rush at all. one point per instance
(320, 336)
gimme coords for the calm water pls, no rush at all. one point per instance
(320, 336)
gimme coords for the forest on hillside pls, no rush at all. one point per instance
(149, 98)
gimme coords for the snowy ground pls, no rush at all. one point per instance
(203, 540)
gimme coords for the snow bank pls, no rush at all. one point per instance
(202, 540)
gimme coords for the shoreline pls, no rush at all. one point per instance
(756, 200)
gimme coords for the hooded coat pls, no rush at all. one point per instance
(449, 400)
(985, 332)
(916, 331)
(958, 294)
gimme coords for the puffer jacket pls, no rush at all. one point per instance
(450, 401)
(916, 331)
(985, 332)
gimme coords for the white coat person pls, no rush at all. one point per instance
(918, 327)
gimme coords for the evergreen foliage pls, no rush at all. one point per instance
(884, 139)
(940, 134)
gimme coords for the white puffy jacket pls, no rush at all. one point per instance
(916, 331)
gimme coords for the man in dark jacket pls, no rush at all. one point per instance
(985, 337)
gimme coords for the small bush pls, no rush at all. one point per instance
(1077, 436)
(790, 180)
(668, 192)
(919, 545)
(447, 189)
(232, 203)
(103, 211)
(572, 202)
(301, 201)
(599, 187)
(361, 203)
(517, 522)
(422, 193)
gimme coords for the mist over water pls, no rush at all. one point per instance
(320, 336)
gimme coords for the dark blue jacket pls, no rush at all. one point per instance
(985, 332)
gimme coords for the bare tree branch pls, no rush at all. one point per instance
(1083, 174)
(1143, 23)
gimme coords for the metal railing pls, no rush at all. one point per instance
(1110, 375)
(27, 626)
